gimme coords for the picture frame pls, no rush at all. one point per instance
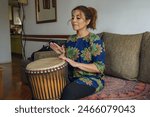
(15, 16)
(10, 13)
(46, 11)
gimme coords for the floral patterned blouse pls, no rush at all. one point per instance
(89, 49)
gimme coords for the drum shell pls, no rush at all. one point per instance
(49, 83)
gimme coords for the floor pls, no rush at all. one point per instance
(11, 86)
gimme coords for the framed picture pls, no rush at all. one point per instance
(15, 16)
(10, 13)
(45, 11)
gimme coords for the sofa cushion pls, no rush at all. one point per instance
(122, 55)
(144, 73)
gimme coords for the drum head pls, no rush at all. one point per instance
(46, 63)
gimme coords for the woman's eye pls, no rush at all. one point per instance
(75, 18)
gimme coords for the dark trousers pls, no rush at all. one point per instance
(74, 91)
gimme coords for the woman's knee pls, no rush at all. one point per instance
(76, 91)
(68, 93)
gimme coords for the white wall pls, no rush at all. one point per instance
(5, 52)
(118, 16)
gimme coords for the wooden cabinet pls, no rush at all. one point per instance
(16, 44)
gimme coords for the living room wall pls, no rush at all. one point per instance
(5, 50)
(117, 16)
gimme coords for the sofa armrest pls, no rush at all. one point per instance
(45, 54)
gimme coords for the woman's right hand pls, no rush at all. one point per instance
(58, 49)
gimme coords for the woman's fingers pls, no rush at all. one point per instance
(55, 47)
(71, 62)
(63, 49)
(60, 48)
(62, 57)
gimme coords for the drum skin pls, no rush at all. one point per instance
(47, 78)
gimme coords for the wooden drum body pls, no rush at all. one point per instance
(47, 78)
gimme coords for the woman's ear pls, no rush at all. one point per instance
(88, 21)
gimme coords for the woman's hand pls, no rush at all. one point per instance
(58, 49)
(86, 67)
(71, 62)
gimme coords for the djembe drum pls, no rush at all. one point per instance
(47, 78)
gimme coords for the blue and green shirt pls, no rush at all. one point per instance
(89, 49)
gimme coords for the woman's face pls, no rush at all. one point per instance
(78, 20)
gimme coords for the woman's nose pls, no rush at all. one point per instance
(74, 20)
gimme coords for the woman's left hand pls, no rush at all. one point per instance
(71, 62)
(86, 67)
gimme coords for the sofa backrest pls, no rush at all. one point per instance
(122, 54)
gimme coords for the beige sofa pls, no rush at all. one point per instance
(127, 60)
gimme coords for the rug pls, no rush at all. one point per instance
(119, 89)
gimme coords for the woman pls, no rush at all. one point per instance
(85, 54)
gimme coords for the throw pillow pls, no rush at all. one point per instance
(144, 73)
(122, 55)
